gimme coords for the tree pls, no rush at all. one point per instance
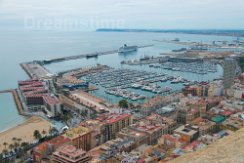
(16, 145)
(14, 138)
(5, 144)
(5, 151)
(53, 131)
(132, 106)
(11, 147)
(24, 145)
(65, 118)
(37, 135)
(44, 132)
(84, 113)
(123, 104)
(19, 140)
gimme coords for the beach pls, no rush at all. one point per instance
(24, 131)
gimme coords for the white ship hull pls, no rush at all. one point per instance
(126, 49)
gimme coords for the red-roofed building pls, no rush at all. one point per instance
(114, 123)
(173, 141)
(70, 154)
(152, 130)
(205, 126)
(27, 82)
(52, 105)
(44, 150)
(168, 124)
(226, 113)
(190, 90)
(138, 137)
(32, 92)
(37, 98)
(191, 147)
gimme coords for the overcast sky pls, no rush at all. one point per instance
(154, 14)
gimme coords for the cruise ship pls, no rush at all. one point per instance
(126, 49)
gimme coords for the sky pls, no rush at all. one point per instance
(143, 14)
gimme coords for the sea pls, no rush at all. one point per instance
(24, 45)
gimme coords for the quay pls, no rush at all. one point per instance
(23, 66)
(16, 99)
(89, 55)
(35, 70)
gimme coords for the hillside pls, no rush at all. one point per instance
(230, 149)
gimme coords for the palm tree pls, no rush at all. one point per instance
(24, 144)
(19, 140)
(123, 104)
(5, 151)
(16, 145)
(5, 144)
(14, 139)
(11, 147)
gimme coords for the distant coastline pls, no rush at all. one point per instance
(220, 32)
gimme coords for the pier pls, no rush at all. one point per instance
(35, 70)
(89, 55)
(6, 91)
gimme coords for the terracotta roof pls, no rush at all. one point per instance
(50, 100)
(111, 118)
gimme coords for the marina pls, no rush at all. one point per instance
(121, 77)
(134, 85)
(125, 94)
(193, 67)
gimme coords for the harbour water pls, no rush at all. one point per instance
(18, 46)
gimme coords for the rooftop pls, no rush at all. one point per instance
(130, 133)
(185, 130)
(51, 100)
(75, 132)
(110, 149)
(203, 123)
(218, 119)
(111, 117)
(160, 119)
(57, 141)
(226, 113)
(70, 151)
(146, 126)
